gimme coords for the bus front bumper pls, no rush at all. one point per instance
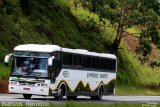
(35, 90)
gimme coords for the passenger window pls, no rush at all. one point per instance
(67, 59)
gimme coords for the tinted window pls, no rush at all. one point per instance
(88, 62)
(67, 59)
(103, 66)
(97, 63)
(80, 60)
(107, 64)
(93, 62)
(77, 60)
(113, 64)
(84, 61)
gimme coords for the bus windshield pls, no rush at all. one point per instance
(28, 66)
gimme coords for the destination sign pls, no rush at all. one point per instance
(96, 75)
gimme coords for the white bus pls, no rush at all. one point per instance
(50, 70)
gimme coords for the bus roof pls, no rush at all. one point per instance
(52, 48)
(37, 48)
(86, 52)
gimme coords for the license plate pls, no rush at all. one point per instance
(26, 89)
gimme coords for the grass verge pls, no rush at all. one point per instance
(130, 90)
(4, 72)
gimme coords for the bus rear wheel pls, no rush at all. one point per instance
(100, 94)
(27, 96)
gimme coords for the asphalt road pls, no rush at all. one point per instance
(82, 99)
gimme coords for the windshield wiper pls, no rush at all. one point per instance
(18, 75)
(31, 74)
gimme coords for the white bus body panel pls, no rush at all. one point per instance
(33, 90)
(24, 88)
(73, 77)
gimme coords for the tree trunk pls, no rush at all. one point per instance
(119, 35)
(117, 40)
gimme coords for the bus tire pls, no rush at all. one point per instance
(60, 95)
(27, 96)
(71, 97)
(61, 92)
(100, 94)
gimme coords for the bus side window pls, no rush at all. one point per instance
(103, 63)
(67, 59)
(89, 62)
(84, 61)
(80, 60)
(114, 65)
(97, 63)
(75, 60)
(93, 62)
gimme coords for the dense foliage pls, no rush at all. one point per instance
(124, 14)
(96, 25)
(45, 22)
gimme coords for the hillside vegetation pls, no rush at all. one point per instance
(60, 22)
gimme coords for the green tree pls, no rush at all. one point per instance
(124, 14)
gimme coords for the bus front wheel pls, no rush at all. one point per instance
(27, 96)
(60, 95)
(61, 92)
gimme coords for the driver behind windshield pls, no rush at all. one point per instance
(24, 67)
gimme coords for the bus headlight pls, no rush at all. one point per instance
(14, 83)
(41, 84)
(37, 84)
(44, 84)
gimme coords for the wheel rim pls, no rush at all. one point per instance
(61, 94)
(100, 93)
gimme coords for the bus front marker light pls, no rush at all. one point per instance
(44, 84)
(12, 87)
(37, 84)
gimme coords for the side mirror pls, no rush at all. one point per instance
(50, 61)
(6, 60)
